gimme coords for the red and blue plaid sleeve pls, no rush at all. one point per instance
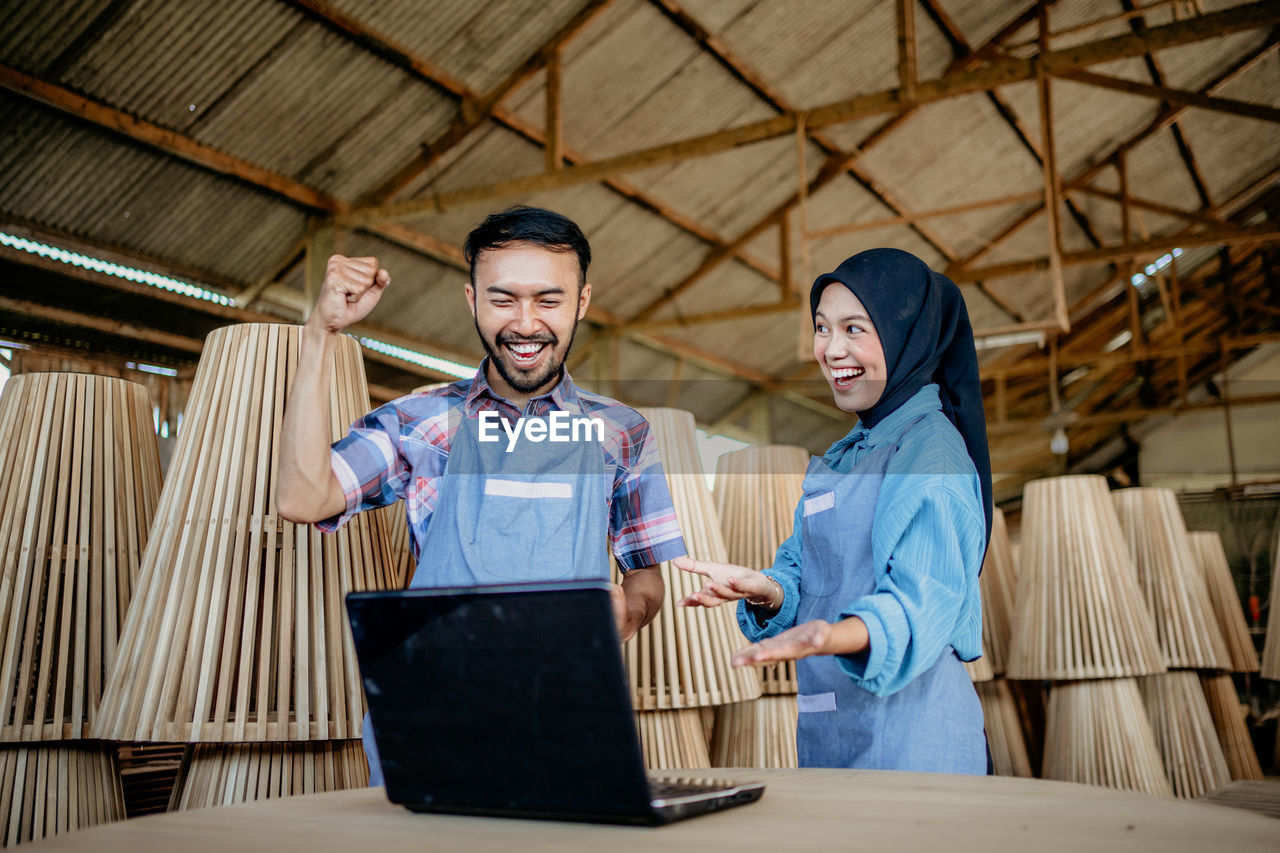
(643, 528)
(369, 465)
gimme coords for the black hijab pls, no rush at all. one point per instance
(924, 328)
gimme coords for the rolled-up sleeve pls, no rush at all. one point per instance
(369, 465)
(933, 530)
(643, 527)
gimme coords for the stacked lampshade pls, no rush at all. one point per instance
(1080, 622)
(1004, 726)
(1178, 598)
(679, 663)
(237, 633)
(757, 491)
(1219, 689)
(83, 479)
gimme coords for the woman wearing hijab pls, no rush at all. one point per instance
(875, 594)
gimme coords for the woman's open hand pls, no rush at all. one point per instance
(727, 582)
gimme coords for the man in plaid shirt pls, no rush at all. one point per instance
(490, 496)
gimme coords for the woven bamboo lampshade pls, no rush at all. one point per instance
(262, 771)
(1271, 646)
(673, 739)
(1233, 734)
(1184, 731)
(998, 582)
(980, 670)
(1079, 611)
(54, 788)
(1004, 730)
(759, 733)
(82, 481)
(1171, 582)
(238, 632)
(1206, 546)
(681, 659)
(397, 526)
(74, 513)
(757, 490)
(1097, 733)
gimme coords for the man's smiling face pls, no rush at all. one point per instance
(527, 304)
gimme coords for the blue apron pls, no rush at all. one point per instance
(935, 722)
(538, 513)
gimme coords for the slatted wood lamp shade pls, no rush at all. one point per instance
(757, 490)
(1219, 690)
(1189, 635)
(680, 661)
(1079, 610)
(1079, 615)
(1171, 581)
(1206, 547)
(1271, 645)
(237, 633)
(81, 486)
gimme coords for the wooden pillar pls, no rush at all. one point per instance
(906, 51)
(319, 248)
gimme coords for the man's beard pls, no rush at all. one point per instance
(522, 381)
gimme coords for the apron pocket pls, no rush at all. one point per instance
(814, 703)
(526, 531)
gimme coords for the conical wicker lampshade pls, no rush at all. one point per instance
(998, 582)
(980, 670)
(1004, 730)
(1233, 734)
(1097, 733)
(673, 740)
(1079, 611)
(759, 733)
(757, 490)
(220, 774)
(1206, 546)
(54, 788)
(84, 479)
(1172, 585)
(681, 658)
(1184, 731)
(398, 540)
(1271, 646)
(237, 631)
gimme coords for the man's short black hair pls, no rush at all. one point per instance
(524, 224)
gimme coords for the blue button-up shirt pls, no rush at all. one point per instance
(927, 541)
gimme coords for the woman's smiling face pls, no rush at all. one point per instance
(848, 350)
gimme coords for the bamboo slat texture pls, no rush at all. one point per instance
(1271, 646)
(223, 775)
(1004, 730)
(757, 490)
(1184, 731)
(980, 670)
(237, 630)
(80, 486)
(1079, 611)
(51, 789)
(758, 733)
(681, 658)
(1171, 581)
(1233, 733)
(398, 539)
(673, 740)
(998, 582)
(149, 773)
(1206, 546)
(1097, 733)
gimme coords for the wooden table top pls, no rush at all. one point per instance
(826, 810)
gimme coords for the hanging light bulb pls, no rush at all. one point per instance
(1058, 445)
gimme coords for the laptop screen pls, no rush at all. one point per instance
(510, 699)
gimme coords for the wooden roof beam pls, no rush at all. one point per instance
(1002, 72)
(1161, 121)
(1181, 97)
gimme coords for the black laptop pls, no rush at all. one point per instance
(512, 701)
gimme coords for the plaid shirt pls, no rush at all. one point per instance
(399, 451)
